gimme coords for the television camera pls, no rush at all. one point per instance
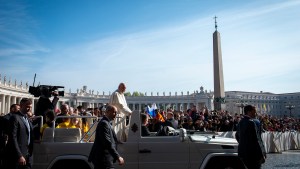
(46, 90)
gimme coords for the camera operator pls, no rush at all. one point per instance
(44, 104)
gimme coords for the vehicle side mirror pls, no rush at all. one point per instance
(182, 134)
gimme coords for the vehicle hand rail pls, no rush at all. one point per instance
(71, 117)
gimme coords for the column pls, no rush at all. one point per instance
(198, 105)
(183, 106)
(15, 100)
(32, 109)
(178, 107)
(188, 106)
(158, 106)
(3, 104)
(74, 103)
(8, 104)
(92, 105)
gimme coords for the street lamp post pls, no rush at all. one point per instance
(290, 107)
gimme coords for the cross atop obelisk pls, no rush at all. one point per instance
(219, 94)
(216, 26)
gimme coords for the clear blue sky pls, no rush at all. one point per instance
(152, 46)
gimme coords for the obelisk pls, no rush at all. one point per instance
(219, 94)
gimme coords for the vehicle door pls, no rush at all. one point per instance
(163, 152)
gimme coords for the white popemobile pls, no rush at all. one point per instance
(181, 149)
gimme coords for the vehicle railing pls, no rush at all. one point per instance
(88, 134)
(191, 132)
(72, 117)
(38, 117)
(124, 119)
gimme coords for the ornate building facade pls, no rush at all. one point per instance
(287, 104)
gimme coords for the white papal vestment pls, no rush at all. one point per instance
(118, 100)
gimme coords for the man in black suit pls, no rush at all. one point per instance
(144, 129)
(251, 149)
(104, 151)
(19, 147)
(3, 139)
(4, 125)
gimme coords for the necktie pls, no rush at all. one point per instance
(28, 127)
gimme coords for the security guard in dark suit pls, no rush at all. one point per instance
(251, 149)
(104, 151)
(19, 148)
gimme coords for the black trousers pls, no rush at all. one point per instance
(10, 163)
(103, 166)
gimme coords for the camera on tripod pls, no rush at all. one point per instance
(46, 90)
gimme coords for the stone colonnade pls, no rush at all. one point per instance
(9, 98)
(87, 103)
(134, 103)
(12, 93)
(165, 106)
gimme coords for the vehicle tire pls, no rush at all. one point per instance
(69, 163)
(225, 162)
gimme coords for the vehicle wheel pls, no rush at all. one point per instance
(225, 162)
(69, 163)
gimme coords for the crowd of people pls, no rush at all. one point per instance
(69, 117)
(191, 119)
(218, 121)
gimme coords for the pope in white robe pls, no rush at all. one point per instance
(118, 100)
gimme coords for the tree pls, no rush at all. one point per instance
(135, 93)
(127, 94)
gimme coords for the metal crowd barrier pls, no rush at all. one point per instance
(275, 142)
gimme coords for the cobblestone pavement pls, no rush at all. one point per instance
(288, 159)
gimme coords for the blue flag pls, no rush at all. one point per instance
(151, 111)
